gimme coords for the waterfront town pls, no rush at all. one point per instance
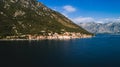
(66, 35)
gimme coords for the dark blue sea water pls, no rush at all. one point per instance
(100, 51)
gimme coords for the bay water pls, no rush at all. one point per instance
(103, 50)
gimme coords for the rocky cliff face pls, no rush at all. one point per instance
(20, 17)
(110, 27)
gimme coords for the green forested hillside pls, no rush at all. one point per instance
(20, 17)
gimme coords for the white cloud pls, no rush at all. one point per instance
(91, 19)
(69, 8)
(66, 10)
(83, 19)
(112, 20)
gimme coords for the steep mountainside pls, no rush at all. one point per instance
(110, 27)
(20, 17)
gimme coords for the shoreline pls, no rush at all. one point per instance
(59, 38)
(50, 36)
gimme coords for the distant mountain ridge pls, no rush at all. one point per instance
(21, 17)
(109, 27)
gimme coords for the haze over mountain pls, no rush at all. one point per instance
(109, 27)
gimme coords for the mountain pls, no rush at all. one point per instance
(21, 17)
(109, 27)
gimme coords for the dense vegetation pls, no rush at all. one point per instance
(19, 17)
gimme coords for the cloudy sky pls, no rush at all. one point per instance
(87, 10)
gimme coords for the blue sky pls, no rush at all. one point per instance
(86, 10)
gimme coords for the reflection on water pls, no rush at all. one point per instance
(100, 51)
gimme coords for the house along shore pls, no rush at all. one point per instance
(50, 36)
